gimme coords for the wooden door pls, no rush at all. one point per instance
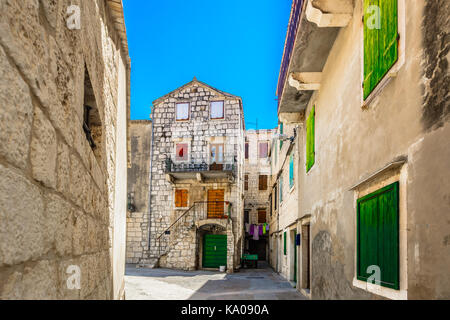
(216, 203)
(214, 250)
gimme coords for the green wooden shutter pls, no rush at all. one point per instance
(378, 235)
(281, 189)
(284, 240)
(380, 45)
(310, 140)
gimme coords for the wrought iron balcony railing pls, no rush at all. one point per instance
(225, 163)
(294, 20)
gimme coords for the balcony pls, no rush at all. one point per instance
(312, 30)
(202, 169)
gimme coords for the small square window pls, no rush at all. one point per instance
(181, 152)
(263, 150)
(182, 111)
(217, 110)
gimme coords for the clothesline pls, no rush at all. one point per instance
(256, 230)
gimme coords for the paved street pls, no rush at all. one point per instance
(248, 284)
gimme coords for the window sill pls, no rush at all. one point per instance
(381, 291)
(181, 208)
(292, 189)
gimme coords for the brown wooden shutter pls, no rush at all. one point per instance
(261, 215)
(246, 182)
(184, 198)
(178, 198)
(262, 182)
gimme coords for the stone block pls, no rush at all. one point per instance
(22, 219)
(43, 150)
(16, 114)
(60, 224)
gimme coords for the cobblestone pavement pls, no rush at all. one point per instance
(247, 284)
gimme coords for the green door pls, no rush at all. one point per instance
(214, 250)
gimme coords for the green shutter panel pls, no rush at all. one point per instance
(291, 171)
(310, 140)
(284, 238)
(378, 235)
(281, 132)
(380, 45)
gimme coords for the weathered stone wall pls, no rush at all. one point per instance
(198, 132)
(56, 197)
(138, 189)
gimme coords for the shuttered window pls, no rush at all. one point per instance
(380, 41)
(263, 150)
(378, 235)
(281, 132)
(310, 140)
(280, 188)
(181, 198)
(246, 150)
(262, 182)
(261, 215)
(291, 171)
(284, 241)
(246, 182)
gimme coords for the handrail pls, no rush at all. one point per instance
(187, 211)
(176, 221)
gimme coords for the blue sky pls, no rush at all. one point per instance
(233, 45)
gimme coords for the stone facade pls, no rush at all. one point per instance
(138, 190)
(197, 173)
(256, 195)
(62, 202)
(399, 134)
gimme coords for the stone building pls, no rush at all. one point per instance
(366, 82)
(64, 106)
(256, 190)
(138, 190)
(196, 180)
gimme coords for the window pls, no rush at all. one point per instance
(281, 132)
(291, 171)
(216, 153)
(246, 216)
(284, 240)
(261, 215)
(92, 125)
(275, 193)
(246, 182)
(246, 150)
(263, 150)
(217, 110)
(182, 111)
(310, 148)
(380, 41)
(181, 152)
(181, 198)
(262, 182)
(378, 235)
(280, 188)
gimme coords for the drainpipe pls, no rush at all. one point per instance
(150, 187)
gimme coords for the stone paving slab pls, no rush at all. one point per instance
(167, 284)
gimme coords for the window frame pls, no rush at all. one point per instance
(189, 111)
(187, 198)
(375, 194)
(217, 145)
(247, 151)
(223, 110)
(395, 68)
(309, 163)
(259, 149)
(265, 186)
(177, 159)
(291, 172)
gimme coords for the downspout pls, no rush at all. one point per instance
(150, 187)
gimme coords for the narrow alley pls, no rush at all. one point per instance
(168, 284)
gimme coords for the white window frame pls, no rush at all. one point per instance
(223, 110)
(176, 111)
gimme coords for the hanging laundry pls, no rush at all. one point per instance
(267, 227)
(256, 234)
(264, 228)
(252, 229)
(247, 227)
(260, 229)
